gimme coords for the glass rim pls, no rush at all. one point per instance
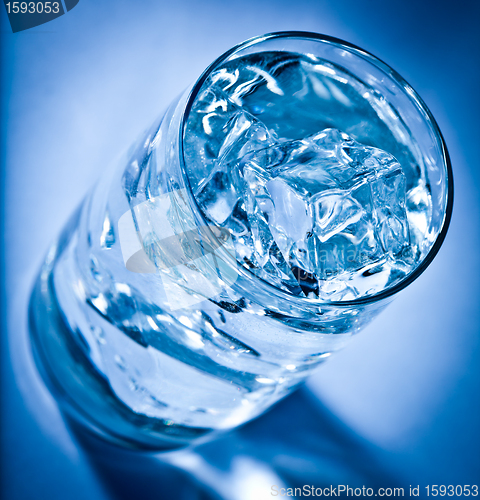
(311, 36)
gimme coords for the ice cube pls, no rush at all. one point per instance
(219, 192)
(221, 133)
(334, 209)
(228, 199)
(265, 257)
(333, 206)
(218, 197)
(217, 130)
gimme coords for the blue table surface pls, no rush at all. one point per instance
(398, 407)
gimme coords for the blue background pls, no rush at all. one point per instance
(399, 406)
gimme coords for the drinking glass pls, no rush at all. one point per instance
(145, 325)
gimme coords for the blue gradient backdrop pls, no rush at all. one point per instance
(398, 407)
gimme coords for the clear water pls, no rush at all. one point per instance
(271, 151)
(321, 190)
